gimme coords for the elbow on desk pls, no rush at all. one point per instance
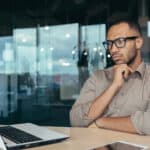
(76, 119)
(146, 128)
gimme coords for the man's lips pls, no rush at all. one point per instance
(116, 57)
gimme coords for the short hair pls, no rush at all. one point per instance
(118, 18)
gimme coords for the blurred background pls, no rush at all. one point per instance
(49, 48)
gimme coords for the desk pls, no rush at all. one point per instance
(85, 138)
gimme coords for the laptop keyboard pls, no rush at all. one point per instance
(16, 135)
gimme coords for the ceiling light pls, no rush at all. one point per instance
(67, 35)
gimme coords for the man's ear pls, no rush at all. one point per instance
(139, 42)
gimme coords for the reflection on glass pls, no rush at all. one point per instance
(25, 47)
(44, 66)
(93, 36)
(58, 62)
(8, 78)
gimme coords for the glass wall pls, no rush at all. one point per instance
(57, 60)
(42, 70)
(8, 80)
(92, 37)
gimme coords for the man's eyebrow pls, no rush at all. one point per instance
(116, 38)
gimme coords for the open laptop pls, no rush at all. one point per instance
(19, 136)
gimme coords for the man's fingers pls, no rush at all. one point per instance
(131, 70)
(126, 72)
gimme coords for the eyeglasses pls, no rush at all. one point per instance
(119, 42)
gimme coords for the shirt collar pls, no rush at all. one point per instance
(141, 69)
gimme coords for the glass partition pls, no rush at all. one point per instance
(25, 49)
(42, 70)
(92, 37)
(8, 78)
(57, 60)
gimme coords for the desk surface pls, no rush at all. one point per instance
(85, 138)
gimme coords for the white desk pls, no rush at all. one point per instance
(85, 138)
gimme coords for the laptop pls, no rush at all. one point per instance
(19, 136)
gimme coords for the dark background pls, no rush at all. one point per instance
(30, 13)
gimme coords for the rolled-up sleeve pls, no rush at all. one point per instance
(79, 111)
(141, 121)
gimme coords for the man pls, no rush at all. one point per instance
(118, 98)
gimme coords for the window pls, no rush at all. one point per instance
(44, 68)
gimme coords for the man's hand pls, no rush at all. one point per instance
(121, 73)
(116, 123)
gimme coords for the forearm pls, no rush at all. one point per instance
(102, 101)
(123, 124)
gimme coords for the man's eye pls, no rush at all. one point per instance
(120, 41)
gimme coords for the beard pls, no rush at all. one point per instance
(119, 58)
(132, 58)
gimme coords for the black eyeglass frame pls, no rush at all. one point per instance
(124, 39)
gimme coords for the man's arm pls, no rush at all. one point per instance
(78, 113)
(87, 108)
(102, 101)
(138, 122)
(123, 124)
(121, 72)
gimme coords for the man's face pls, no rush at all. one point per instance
(131, 51)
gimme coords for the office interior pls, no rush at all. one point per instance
(49, 48)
